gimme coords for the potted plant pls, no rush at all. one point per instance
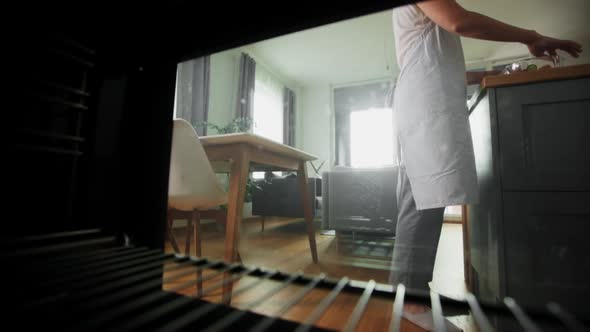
(250, 187)
(237, 125)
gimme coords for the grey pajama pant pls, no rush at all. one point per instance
(416, 239)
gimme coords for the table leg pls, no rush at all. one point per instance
(196, 221)
(169, 234)
(307, 212)
(236, 195)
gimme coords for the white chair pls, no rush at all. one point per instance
(193, 189)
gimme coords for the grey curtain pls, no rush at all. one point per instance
(245, 102)
(289, 117)
(192, 91)
(353, 98)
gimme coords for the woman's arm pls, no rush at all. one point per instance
(452, 17)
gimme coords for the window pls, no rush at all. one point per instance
(364, 130)
(268, 106)
(268, 109)
(371, 138)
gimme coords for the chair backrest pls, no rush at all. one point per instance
(192, 182)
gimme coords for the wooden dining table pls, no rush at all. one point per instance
(242, 153)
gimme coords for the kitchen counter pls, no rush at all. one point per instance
(543, 75)
(528, 234)
(528, 77)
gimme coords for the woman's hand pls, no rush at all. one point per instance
(544, 45)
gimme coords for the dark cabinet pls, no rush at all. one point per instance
(547, 252)
(529, 235)
(544, 135)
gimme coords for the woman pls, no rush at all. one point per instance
(437, 167)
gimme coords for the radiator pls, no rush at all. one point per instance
(90, 281)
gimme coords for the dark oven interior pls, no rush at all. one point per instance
(83, 248)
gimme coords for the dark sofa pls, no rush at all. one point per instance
(280, 196)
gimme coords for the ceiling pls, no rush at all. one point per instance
(362, 48)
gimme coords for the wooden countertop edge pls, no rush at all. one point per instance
(559, 73)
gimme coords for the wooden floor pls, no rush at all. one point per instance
(283, 246)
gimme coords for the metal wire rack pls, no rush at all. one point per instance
(89, 281)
